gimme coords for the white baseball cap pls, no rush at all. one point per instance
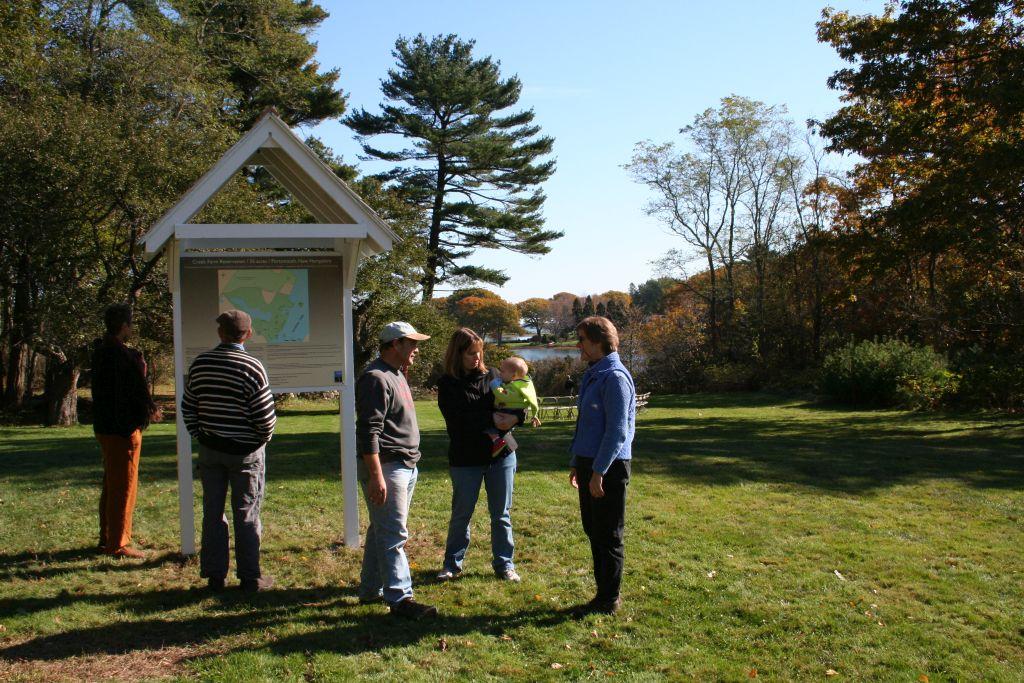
(399, 329)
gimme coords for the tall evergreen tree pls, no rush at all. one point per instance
(577, 311)
(588, 307)
(474, 171)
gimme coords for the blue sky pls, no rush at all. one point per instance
(600, 76)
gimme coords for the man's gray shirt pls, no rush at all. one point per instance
(385, 415)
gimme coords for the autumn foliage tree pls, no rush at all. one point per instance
(536, 313)
(933, 106)
(489, 316)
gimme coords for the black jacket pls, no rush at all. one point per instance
(120, 397)
(467, 405)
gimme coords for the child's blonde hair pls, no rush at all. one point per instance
(522, 369)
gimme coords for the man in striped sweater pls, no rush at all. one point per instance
(229, 409)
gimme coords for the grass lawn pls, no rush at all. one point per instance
(765, 537)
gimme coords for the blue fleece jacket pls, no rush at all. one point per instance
(606, 414)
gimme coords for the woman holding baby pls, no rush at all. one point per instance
(465, 395)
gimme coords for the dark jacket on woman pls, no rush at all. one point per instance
(120, 395)
(467, 405)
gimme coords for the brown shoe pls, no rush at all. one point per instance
(410, 609)
(128, 551)
(256, 585)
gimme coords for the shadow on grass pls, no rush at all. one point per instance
(836, 451)
(352, 630)
(46, 565)
(767, 438)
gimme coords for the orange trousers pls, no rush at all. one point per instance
(120, 485)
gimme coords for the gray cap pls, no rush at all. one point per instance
(235, 322)
(399, 329)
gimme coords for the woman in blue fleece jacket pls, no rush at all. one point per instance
(601, 454)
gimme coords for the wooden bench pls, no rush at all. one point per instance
(557, 408)
(564, 407)
(641, 401)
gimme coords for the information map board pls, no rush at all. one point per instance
(296, 308)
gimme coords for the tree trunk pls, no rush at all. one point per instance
(62, 392)
(713, 306)
(16, 391)
(434, 240)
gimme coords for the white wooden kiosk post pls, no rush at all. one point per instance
(347, 228)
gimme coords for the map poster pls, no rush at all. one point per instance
(296, 309)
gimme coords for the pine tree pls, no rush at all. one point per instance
(588, 307)
(577, 311)
(475, 173)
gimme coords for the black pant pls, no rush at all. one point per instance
(604, 521)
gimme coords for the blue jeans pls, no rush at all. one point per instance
(385, 566)
(497, 479)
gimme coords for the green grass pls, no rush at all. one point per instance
(763, 534)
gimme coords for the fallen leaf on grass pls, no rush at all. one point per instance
(442, 645)
(556, 665)
(923, 678)
(594, 633)
(568, 646)
(712, 574)
(831, 672)
(538, 596)
(505, 636)
(752, 673)
(838, 575)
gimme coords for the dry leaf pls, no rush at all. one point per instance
(556, 665)
(752, 673)
(442, 645)
(712, 574)
(506, 637)
(568, 646)
(923, 678)
(831, 672)
(538, 596)
(594, 633)
(838, 575)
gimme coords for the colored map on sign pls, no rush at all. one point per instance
(277, 300)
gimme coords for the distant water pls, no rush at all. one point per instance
(545, 353)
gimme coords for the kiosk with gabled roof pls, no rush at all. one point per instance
(347, 229)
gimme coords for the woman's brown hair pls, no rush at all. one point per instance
(600, 330)
(461, 340)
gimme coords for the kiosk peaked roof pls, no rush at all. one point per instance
(270, 143)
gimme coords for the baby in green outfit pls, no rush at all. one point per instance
(513, 393)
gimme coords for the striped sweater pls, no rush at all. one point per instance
(227, 403)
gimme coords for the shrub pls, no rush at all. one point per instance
(550, 376)
(991, 380)
(731, 377)
(673, 347)
(887, 373)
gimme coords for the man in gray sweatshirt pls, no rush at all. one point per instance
(388, 441)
